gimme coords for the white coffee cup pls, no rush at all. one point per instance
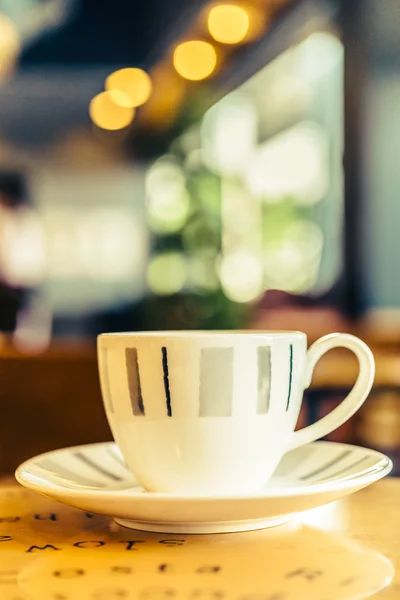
(214, 412)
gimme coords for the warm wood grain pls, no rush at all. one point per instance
(346, 550)
(47, 402)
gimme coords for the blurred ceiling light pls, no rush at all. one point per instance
(292, 164)
(195, 60)
(167, 273)
(10, 45)
(134, 83)
(241, 275)
(110, 110)
(228, 23)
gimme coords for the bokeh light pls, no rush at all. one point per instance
(320, 54)
(228, 23)
(295, 163)
(168, 212)
(229, 134)
(168, 202)
(292, 263)
(109, 110)
(164, 171)
(22, 247)
(10, 45)
(241, 276)
(107, 245)
(134, 83)
(167, 273)
(203, 274)
(195, 60)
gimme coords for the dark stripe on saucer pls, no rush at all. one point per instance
(327, 465)
(57, 469)
(349, 468)
(85, 459)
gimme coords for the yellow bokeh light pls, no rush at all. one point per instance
(134, 83)
(195, 60)
(109, 110)
(228, 23)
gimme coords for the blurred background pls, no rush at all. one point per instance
(202, 165)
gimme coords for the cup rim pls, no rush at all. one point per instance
(256, 333)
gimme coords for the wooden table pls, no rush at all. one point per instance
(349, 549)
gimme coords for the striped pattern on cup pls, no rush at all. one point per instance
(220, 362)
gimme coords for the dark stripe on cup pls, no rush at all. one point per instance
(290, 375)
(95, 466)
(264, 379)
(216, 382)
(106, 381)
(166, 381)
(135, 390)
(327, 465)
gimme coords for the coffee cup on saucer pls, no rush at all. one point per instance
(201, 412)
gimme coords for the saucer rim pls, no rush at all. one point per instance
(382, 468)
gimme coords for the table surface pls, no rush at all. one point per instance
(346, 550)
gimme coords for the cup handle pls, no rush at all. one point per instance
(356, 397)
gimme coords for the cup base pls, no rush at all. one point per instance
(203, 528)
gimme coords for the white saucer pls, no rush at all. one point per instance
(94, 478)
